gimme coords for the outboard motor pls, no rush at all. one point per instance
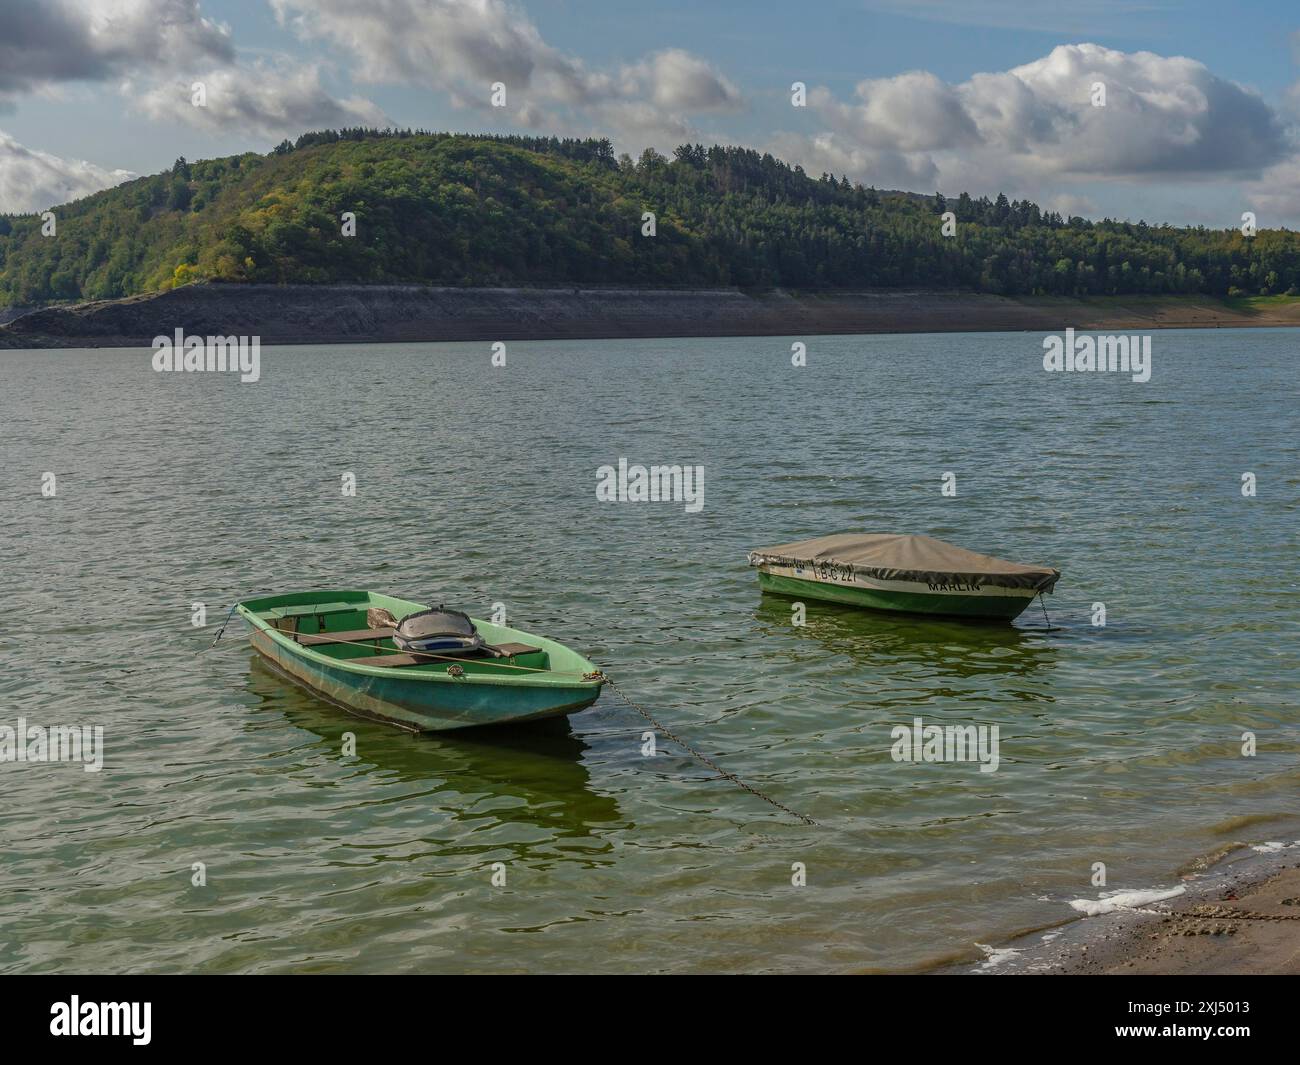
(438, 631)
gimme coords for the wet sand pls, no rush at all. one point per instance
(1249, 927)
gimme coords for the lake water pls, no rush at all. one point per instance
(476, 485)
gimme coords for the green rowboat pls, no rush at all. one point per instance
(907, 573)
(329, 642)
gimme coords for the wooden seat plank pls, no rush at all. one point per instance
(350, 636)
(512, 649)
(310, 609)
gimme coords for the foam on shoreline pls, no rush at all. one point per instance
(1125, 900)
(1207, 924)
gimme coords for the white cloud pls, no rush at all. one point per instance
(261, 99)
(463, 47)
(32, 180)
(907, 113)
(43, 42)
(636, 125)
(444, 44)
(1163, 115)
(1275, 197)
(676, 80)
(826, 153)
(1068, 204)
(54, 42)
(1028, 129)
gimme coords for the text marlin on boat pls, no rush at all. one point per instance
(902, 572)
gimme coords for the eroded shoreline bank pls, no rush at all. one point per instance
(310, 314)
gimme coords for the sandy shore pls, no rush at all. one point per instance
(301, 314)
(1249, 927)
(1237, 916)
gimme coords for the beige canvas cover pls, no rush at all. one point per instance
(907, 557)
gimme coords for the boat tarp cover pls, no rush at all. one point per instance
(907, 557)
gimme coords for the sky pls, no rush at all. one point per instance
(1200, 119)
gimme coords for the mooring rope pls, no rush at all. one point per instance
(699, 756)
(703, 758)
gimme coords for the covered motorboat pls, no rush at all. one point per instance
(902, 572)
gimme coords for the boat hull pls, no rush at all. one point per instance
(539, 678)
(423, 707)
(906, 597)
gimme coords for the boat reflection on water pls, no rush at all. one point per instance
(942, 646)
(531, 773)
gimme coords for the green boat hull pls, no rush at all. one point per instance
(994, 607)
(423, 698)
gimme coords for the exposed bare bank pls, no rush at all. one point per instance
(288, 314)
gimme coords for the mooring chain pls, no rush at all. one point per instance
(1223, 913)
(1043, 603)
(457, 670)
(705, 759)
(221, 631)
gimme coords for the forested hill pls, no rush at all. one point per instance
(485, 210)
